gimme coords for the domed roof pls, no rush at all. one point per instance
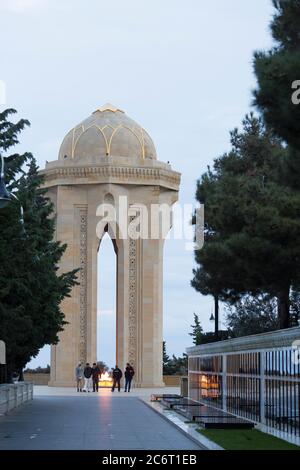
(107, 132)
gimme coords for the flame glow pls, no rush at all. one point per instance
(105, 380)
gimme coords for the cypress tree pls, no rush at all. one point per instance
(31, 286)
(197, 331)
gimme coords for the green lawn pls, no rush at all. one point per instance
(246, 440)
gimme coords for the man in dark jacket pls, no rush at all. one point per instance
(116, 375)
(95, 374)
(129, 373)
(87, 378)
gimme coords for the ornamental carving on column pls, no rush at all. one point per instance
(83, 286)
(132, 319)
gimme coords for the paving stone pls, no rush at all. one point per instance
(105, 423)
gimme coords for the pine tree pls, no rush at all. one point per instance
(166, 361)
(197, 331)
(252, 315)
(174, 365)
(278, 76)
(31, 289)
(252, 229)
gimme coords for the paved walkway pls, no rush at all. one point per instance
(144, 393)
(89, 421)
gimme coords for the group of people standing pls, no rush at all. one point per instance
(117, 374)
(87, 378)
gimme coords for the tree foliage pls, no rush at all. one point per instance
(102, 366)
(252, 226)
(252, 315)
(31, 286)
(252, 197)
(38, 370)
(277, 72)
(199, 337)
(197, 331)
(174, 365)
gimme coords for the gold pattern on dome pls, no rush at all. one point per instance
(109, 126)
(108, 107)
(138, 132)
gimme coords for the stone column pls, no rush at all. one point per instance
(65, 355)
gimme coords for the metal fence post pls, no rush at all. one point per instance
(189, 377)
(262, 388)
(224, 382)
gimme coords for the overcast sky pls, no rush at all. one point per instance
(183, 70)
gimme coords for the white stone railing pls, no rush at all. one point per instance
(13, 395)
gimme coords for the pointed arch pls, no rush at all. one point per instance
(101, 133)
(107, 288)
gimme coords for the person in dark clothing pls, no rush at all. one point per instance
(129, 373)
(116, 375)
(95, 374)
(87, 378)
